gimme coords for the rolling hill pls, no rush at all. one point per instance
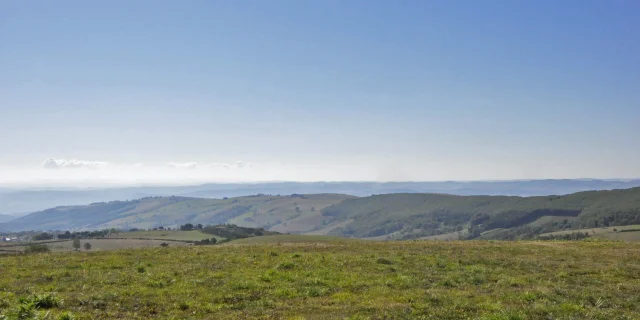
(379, 217)
(408, 216)
(29, 200)
(5, 218)
(293, 213)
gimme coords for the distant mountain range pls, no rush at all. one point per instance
(23, 201)
(5, 218)
(277, 213)
(387, 216)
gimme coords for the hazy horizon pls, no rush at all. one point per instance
(166, 92)
(108, 184)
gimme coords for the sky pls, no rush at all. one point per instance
(126, 92)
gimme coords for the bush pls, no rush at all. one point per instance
(37, 248)
(43, 301)
(384, 261)
(286, 266)
(43, 236)
(183, 306)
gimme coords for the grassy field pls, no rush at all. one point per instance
(548, 219)
(96, 245)
(113, 244)
(164, 235)
(447, 236)
(289, 238)
(607, 233)
(331, 280)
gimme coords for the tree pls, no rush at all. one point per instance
(199, 226)
(43, 236)
(65, 235)
(213, 240)
(76, 244)
(186, 227)
(87, 246)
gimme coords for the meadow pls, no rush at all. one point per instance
(326, 279)
(97, 244)
(617, 233)
(193, 235)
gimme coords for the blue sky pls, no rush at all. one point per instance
(186, 91)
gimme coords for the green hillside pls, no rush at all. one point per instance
(406, 216)
(291, 238)
(379, 217)
(293, 213)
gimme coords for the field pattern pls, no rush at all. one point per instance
(194, 235)
(344, 280)
(618, 233)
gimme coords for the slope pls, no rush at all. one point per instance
(29, 200)
(405, 216)
(5, 218)
(251, 211)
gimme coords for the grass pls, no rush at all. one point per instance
(97, 245)
(113, 244)
(332, 280)
(549, 219)
(194, 235)
(457, 235)
(290, 238)
(621, 233)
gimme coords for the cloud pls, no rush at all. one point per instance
(236, 165)
(183, 165)
(72, 164)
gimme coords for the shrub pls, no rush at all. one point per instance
(37, 248)
(66, 316)
(43, 236)
(43, 301)
(286, 266)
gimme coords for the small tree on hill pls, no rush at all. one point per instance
(87, 246)
(76, 244)
(186, 227)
